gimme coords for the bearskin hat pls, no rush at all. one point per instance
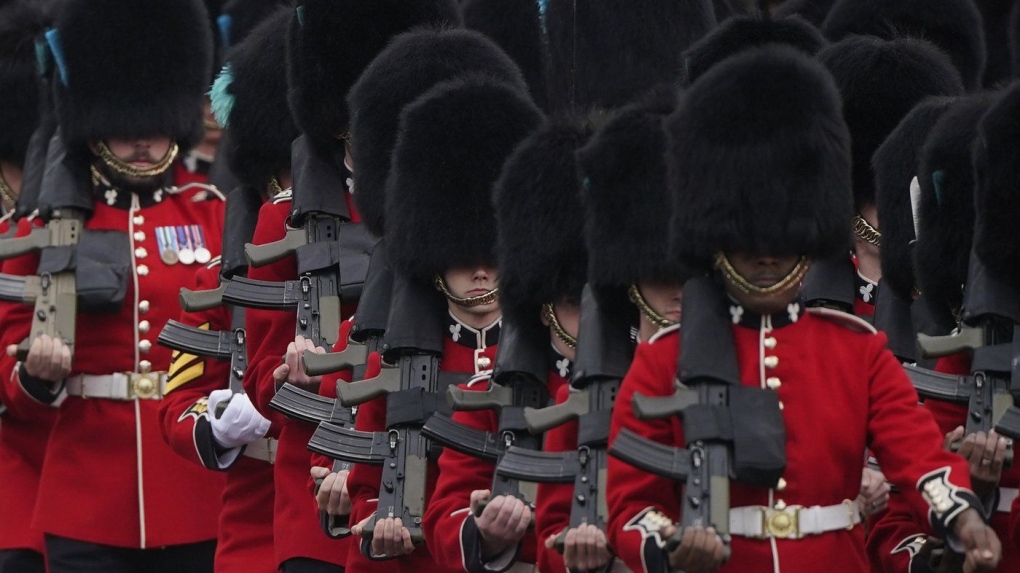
(997, 193)
(407, 68)
(515, 26)
(541, 251)
(1014, 39)
(952, 25)
(759, 160)
(813, 11)
(239, 17)
(250, 99)
(742, 33)
(606, 54)
(625, 196)
(132, 69)
(21, 23)
(452, 144)
(946, 211)
(895, 165)
(330, 44)
(880, 82)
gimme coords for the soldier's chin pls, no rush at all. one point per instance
(132, 183)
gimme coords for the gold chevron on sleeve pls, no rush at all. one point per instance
(184, 367)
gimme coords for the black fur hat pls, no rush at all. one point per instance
(895, 164)
(814, 11)
(946, 212)
(540, 221)
(251, 93)
(1014, 39)
(332, 41)
(952, 25)
(133, 69)
(242, 16)
(608, 53)
(407, 68)
(743, 33)
(21, 23)
(627, 204)
(880, 82)
(452, 144)
(515, 26)
(997, 191)
(759, 160)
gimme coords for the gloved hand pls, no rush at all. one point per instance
(240, 423)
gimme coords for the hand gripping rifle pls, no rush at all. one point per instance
(327, 247)
(989, 331)
(413, 342)
(517, 384)
(732, 431)
(604, 353)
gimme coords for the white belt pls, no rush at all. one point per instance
(118, 386)
(263, 450)
(792, 522)
(1006, 497)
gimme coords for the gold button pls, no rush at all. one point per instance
(781, 485)
(141, 253)
(139, 236)
(144, 366)
(143, 270)
(769, 342)
(144, 326)
(143, 306)
(484, 362)
(771, 362)
(773, 382)
(145, 346)
(138, 220)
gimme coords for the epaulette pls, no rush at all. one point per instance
(283, 197)
(843, 319)
(662, 333)
(215, 262)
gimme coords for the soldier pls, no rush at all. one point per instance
(145, 508)
(251, 95)
(787, 199)
(21, 23)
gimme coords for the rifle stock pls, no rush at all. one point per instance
(967, 339)
(315, 364)
(199, 300)
(268, 253)
(36, 239)
(355, 393)
(543, 419)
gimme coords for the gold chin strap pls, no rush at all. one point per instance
(646, 309)
(467, 302)
(865, 231)
(6, 191)
(211, 125)
(115, 163)
(274, 187)
(550, 314)
(794, 277)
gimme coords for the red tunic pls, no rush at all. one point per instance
(447, 516)
(245, 534)
(24, 432)
(892, 545)
(129, 488)
(842, 392)
(471, 352)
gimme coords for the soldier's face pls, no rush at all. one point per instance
(664, 298)
(471, 282)
(142, 153)
(568, 315)
(763, 271)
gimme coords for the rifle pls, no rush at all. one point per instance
(603, 356)
(414, 343)
(732, 431)
(223, 345)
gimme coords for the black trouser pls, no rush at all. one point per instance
(70, 556)
(21, 561)
(303, 565)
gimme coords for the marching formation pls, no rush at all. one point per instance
(494, 286)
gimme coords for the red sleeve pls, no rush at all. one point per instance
(553, 501)
(183, 414)
(269, 331)
(1014, 522)
(896, 537)
(637, 499)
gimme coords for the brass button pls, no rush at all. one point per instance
(781, 485)
(769, 342)
(139, 236)
(144, 366)
(143, 270)
(143, 306)
(773, 382)
(141, 253)
(771, 362)
(144, 326)
(138, 220)
(145, 346)
(484, 362)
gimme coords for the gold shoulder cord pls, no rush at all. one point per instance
(634, 293)
(795, 276)
(467, 302)
(115, 163)
(550, 314)
(865, 231)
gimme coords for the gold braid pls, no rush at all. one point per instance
(795, 276)
(466, 302)
(634, 293)
(118, 165)
(550, 314)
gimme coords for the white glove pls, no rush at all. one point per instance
(240, 423)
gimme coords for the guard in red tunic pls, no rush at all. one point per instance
(757, 203)
(23, 432)
(133, 504)
(542, 262)
(251, 96)
(440, 231)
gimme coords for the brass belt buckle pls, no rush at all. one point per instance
(144, 386)
(781, 524)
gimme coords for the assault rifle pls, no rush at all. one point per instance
(732, 431)
(603, 356)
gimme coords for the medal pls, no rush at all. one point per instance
(202, 254)
(166, 252)
(184, 252)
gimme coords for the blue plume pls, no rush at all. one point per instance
(43, 59)
(226, 25)
(221, 99)
(53, 39)
(300, 15)
(938, 179)
(543, 6)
